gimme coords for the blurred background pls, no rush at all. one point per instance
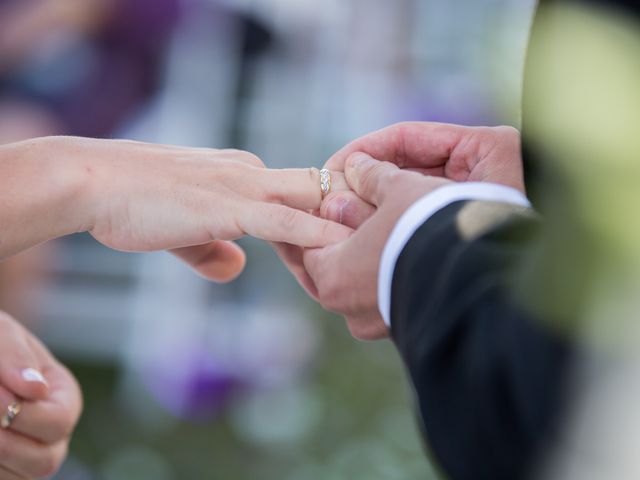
(190, 380)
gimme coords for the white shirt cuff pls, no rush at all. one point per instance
(419, 213)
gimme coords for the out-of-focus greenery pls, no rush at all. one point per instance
(366, 428)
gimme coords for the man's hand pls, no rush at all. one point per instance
(345, 275)
(455, 152)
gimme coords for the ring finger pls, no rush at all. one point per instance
(296, 187)
(37, 420)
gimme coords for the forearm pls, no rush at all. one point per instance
(43, 194)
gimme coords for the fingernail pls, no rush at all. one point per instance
(33, 375)
(335, 208)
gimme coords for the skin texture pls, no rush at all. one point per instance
(36, 443)
(141, 197)
(343, 277)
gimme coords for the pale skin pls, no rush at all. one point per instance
(141, 197)
(131, 196)
(387, 171)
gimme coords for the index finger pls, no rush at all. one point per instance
(425, 145)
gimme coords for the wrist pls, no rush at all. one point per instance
(73, 186)
(58, 185)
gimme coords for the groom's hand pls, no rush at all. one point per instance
(455, 152)
(345, 275)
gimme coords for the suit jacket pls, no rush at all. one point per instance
(491, 376)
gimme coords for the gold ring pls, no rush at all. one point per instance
(12, 412)
(325, 182)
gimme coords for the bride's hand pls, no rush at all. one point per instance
(34, 443)
(134, 196)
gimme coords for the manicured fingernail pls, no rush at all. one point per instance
(335, 208)
(33, 375)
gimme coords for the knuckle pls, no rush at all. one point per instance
(370, 178)
(504, 139)
(512, 136)
(243, 156)
(402, 129)
(253, 159)
(326, 229)
(222, 171)
(396, 181)
(313, 173)
(482, 135)
(508, 131)
(288, 218)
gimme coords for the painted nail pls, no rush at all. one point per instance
(33, 375)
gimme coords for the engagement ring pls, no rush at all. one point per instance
(325, 182)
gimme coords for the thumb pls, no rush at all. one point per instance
(369, 177)
(219, 261)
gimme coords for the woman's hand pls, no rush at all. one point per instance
(35, 443)
(140, 197)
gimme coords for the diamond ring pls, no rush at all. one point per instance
(325, 182)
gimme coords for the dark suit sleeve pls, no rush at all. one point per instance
(489, 378)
